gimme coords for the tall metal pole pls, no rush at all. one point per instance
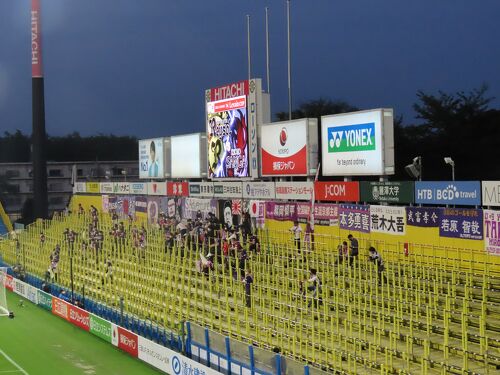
(289, 61)
(268, 75)
(38, 153)
(248, 49)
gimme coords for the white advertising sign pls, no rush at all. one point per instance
(106, 187)
(185, 156)
(294, 190)
(258, 190)
(138, 188)
(154, 354)
(157, 188)
(491, 193)
(151, 158)
(228, 189)
(388, 219)
(358, 143)
(79, 187)
(121, 188)
(284, 148)
(201, 189)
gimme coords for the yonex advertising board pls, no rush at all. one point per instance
(151, 158)
(289, 148)
(358, 143)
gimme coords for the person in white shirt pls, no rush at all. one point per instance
(314, 287)
(296, 230)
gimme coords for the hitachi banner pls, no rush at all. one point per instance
(36, 40)
(289, 148)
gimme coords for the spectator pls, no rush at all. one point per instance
(248, 281)
(308, 236)
(296, 230)
(354, 249)
(375, 257)
(314, 287)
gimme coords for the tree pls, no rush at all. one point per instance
(317, 108)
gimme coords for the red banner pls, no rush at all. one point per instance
(9, 282)
(60, 308)
(79, 317)
(229, 91)
(178, 189)
(127, 341)
(337, 191)
(36, 40)
(291, 165)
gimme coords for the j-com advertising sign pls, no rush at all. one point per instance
(358, 143)
(289, 148)
(463, 193)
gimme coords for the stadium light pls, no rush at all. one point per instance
(415, 169)
(124, 173)
(450, 161)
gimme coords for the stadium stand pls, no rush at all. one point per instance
(5, 224)
(430, 316)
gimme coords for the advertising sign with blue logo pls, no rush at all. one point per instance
(358, 143)
(463, 193)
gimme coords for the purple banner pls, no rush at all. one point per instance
(461, 223)
(354, 217)
(281, 211)
(324, 214)
(423, 216)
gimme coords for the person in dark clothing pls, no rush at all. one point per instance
(248, 281)
(353, 249)
(375, 257)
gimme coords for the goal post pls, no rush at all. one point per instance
(4, 311)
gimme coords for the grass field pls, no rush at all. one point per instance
(37, 342)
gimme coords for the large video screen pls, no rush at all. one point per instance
(227, 136)
(185, 156)
(151, 158)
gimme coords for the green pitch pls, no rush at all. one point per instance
(37, 342)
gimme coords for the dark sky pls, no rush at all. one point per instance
(140, 67)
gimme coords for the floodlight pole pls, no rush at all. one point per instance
(289, 60)
(248, 49)
(267, 53)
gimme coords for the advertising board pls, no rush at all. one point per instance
(490, 193)
(178, 189)
(92, 187)
(201, 189)
(79, 187)
(151, 158)
(354, 217)
(138, 188)
(185, 156)
(464, 193)
(388, 219)
(463, 223)
(258, 190)
(387, 191)
(295, 190)
(106, 188)
(127, 341)
(157, 188)
(337, 191)
(60, 308)
(358, 143)
(121, 187)
(228, 190)
(491, 231)
(79, 317)
(289, 148)
(100, 328)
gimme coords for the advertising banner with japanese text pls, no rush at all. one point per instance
(423, 216)
(106, 187)
(228, 190)
(127, 341)
(463, 193)
(387, 191)
(258, 190)
(388, 219)
(178, 189)
(201, 189)
(324, 213)
(492, 231)
(79, 317)
(284, 148)
(294, 190)
(281, 211)
(100, 327)
(354, 217)
(461, 223)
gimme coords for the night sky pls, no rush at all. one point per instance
(140, 67)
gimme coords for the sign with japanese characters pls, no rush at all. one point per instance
(281, 211)
(324, 213)
(228, 189)
(354, 217)
(178, 189)
(388, 219)
(492, 231)
(387, 191)
(258, 190)
(461, 223)
(201, 189)
(423, 216)
(294, 190)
